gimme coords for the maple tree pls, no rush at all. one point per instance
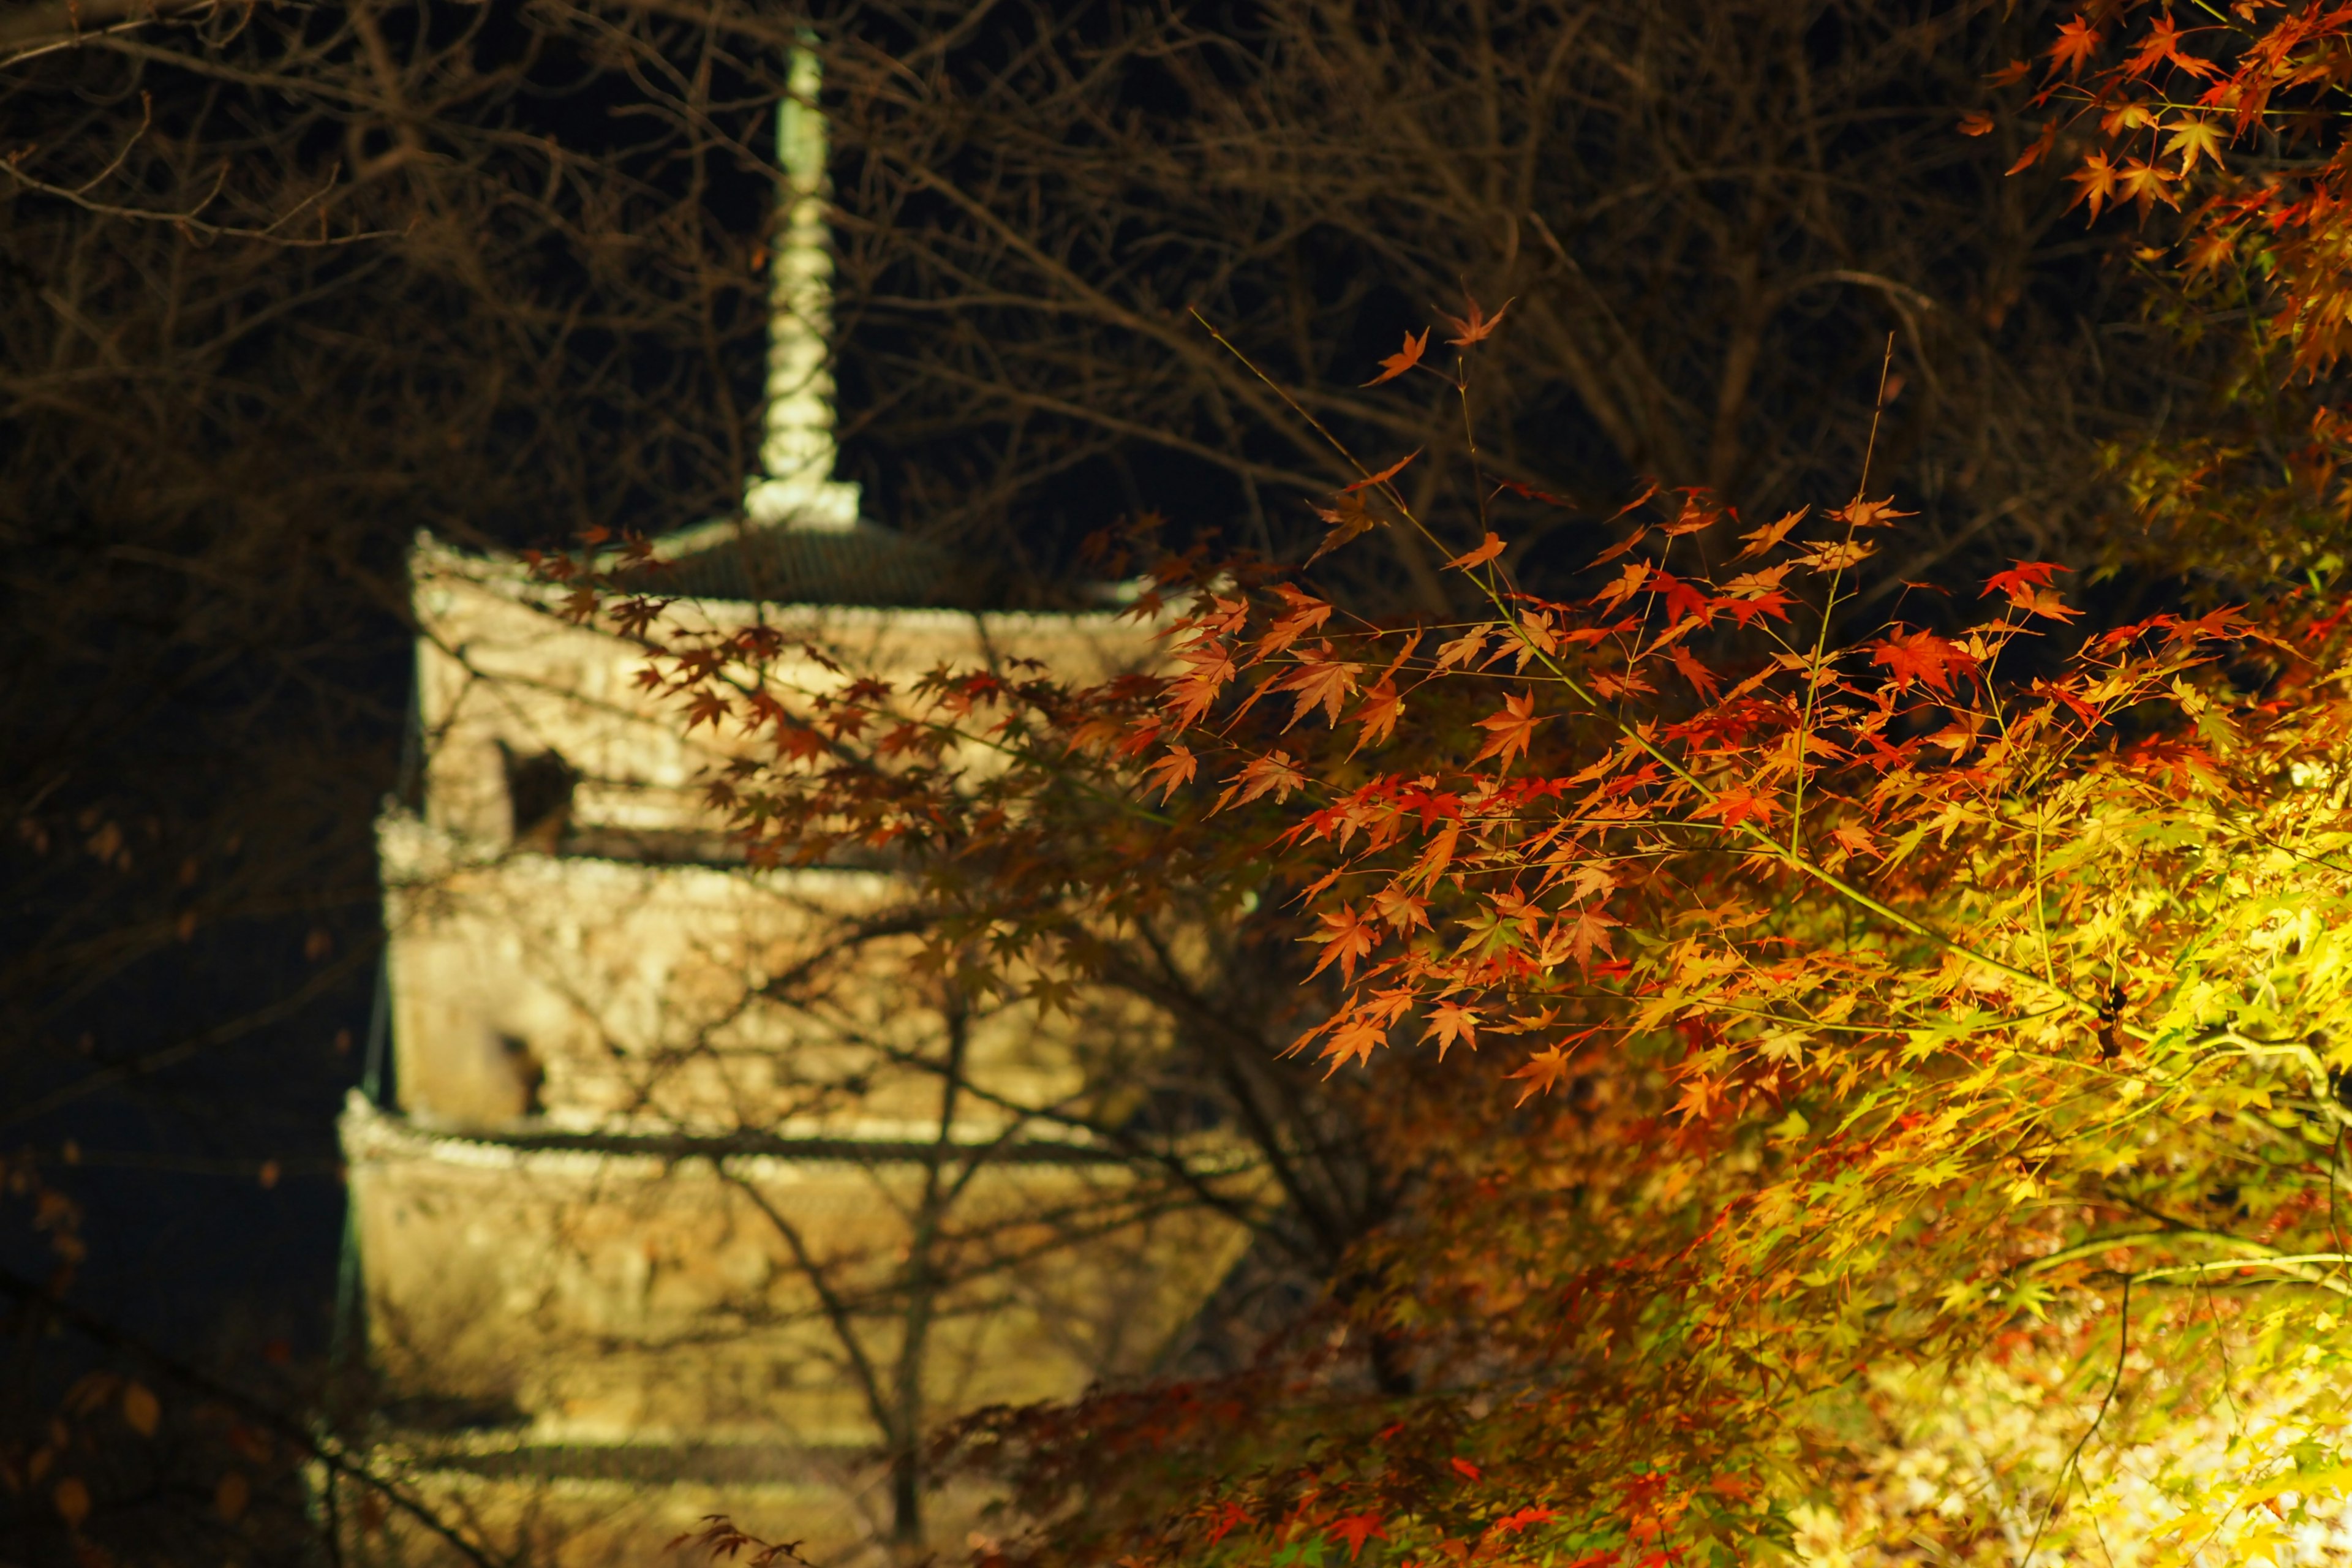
(1783, 1011)
(2216, 131)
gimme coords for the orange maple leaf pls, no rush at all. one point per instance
(1384, 476)
(1322, 683)
(1475, 327)
(1509, 729)
(1450, 1021)
(1771, 534)
(1306, 613)
(1171, 771)
(1348, 938)
(1275, 772)
(1354, 1040)
(1587, 930)
(2036, 150)
(1543, 1069)
(1855, 839)
(2161, 45)
(2077, 43)
(1480, 556)
(1403, 359)
(1378, 715)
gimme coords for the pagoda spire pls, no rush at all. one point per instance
(795, 486)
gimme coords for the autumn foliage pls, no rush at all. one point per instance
(1784, 986)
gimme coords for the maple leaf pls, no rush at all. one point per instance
(1586, 929)
(1172, 770)
(1738, 805)
(1702, 679)
(2225, 622)
(1771, 534)
(1322, 683)
(1975, 123)
(2036, 150)
(2193, 138)
(1487, 551)
(2162, 45)
(1522, 1518)
(2078, 43)
(1860, 514)
(1543, 1069)
(1772, 602)
(1347, 937)
(1275, 772)
(2145, 184)
(1698, 514)
(1837, 556)
(1355, 1040)
(1347, 518)
(1475, 327)
(1403, 359)
(1920, 657)
(1465, 1469)
(1683, 600)
(2210, 249)
(1192, 694)
(1378, 714)
(1461, 650)
(1306, 613)
(1532, 493)
(1855, 838)
(1384, 476)
(1509, 727)
(1226, 1517)
(1355, 1529)
(2027, 585)
(1450, 1021)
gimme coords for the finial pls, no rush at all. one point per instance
(796, 488)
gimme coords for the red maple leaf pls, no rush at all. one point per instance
(1522, 1518)
(1356, 1529)
(1738, 805)
(1683, 599)
(2027, 584)
(1702, 678)
(1921, 657)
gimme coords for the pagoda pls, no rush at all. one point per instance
(677, 1188)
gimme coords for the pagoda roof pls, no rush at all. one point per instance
(865, 566)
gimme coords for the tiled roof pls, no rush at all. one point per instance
(863, 565)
